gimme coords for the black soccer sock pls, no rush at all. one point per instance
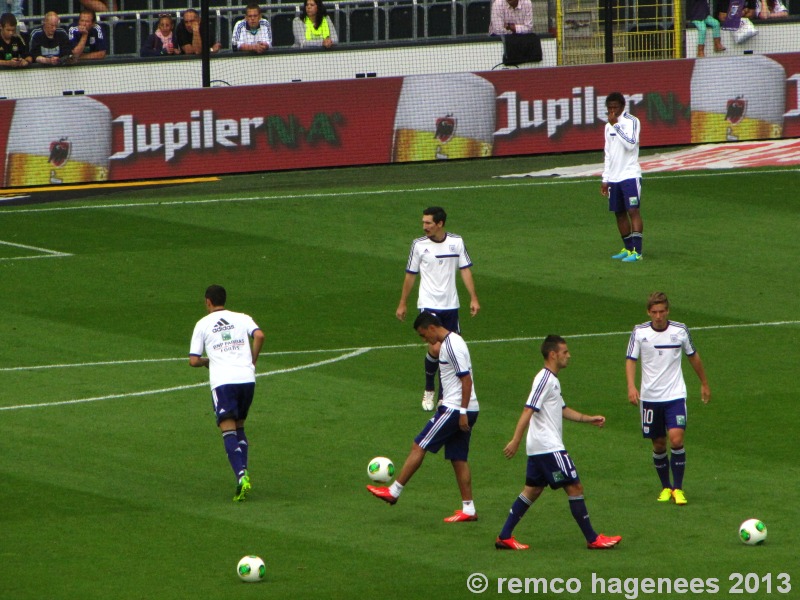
(431, 367)
(234, 452)
(518, 510)
(677, 462)
(243, 445)
(662, 468)
(581, 515)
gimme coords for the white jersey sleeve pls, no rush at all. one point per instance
(454, 363)
(545, 428)
(621, 150)
(224, 336)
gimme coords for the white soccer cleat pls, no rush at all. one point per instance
(427, 399)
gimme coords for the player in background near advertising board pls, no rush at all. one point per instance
(548, 461)
(452, 424)
(658, 346)
(436, 257)
(224, 336)
(622, 176)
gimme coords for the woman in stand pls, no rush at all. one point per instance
(163, 41)
(314, 27)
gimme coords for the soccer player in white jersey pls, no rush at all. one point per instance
(658, 346)
(622, 176)
(436, 257)
(224, 336)
(452, 424)
(548, 461)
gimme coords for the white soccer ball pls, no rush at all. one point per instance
(753, 532)
(251, 569)
(380, 469)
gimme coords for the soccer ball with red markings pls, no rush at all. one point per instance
(251, 569)
(753, 532)
(380, 469)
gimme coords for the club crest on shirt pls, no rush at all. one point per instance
(673, 338)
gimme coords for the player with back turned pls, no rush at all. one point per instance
(622, 176)
(224, 336)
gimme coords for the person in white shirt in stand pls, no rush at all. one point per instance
(622, 176)
(511, 17)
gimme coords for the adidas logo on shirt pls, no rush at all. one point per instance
(221, 325)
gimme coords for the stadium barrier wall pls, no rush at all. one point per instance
(114, 137)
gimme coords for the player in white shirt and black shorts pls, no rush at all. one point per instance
(548, 461)
(622, 176)
(436, 257)
(224, 336)
(452, 424)
(658, 346)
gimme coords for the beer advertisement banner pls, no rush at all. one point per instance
(115, 137)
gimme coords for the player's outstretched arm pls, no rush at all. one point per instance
(574, 415)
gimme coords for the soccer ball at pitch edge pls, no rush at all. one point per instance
(251, 569)
(753, 532)
(380, 469)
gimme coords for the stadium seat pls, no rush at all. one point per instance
(479, 13)
(135, 5)
(440, 19)
(124, 37)
(339, 18)
(170, 5)
(362, 24)
(282, 35)
(223, 36)
(401, 22)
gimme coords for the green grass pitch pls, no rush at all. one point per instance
(128, 494)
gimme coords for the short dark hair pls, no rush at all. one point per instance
(616, 97)
(551, 344)
(425, 320)
(217, 295)
(437, 212)
(90, 12)
(8, 19)
(657, 298)
(253, 6)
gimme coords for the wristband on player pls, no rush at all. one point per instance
(462, 411)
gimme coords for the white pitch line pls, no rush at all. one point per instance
(46, 253)
(182, 387)
(388, 347)
(420, 190)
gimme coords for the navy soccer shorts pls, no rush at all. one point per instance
(624, 195)
(555, 469)
(660, 417)
(232, 401)
(443, 430)
(448, 317)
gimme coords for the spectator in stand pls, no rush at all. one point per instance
(189, 36)
(163, 40)
(253, 33)
(87, 38)
(723, 9)
(13, 49)
(771, 9)
(698, 12)
(15, 8)
(511, 16)
(314, 27)
(49, 43)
